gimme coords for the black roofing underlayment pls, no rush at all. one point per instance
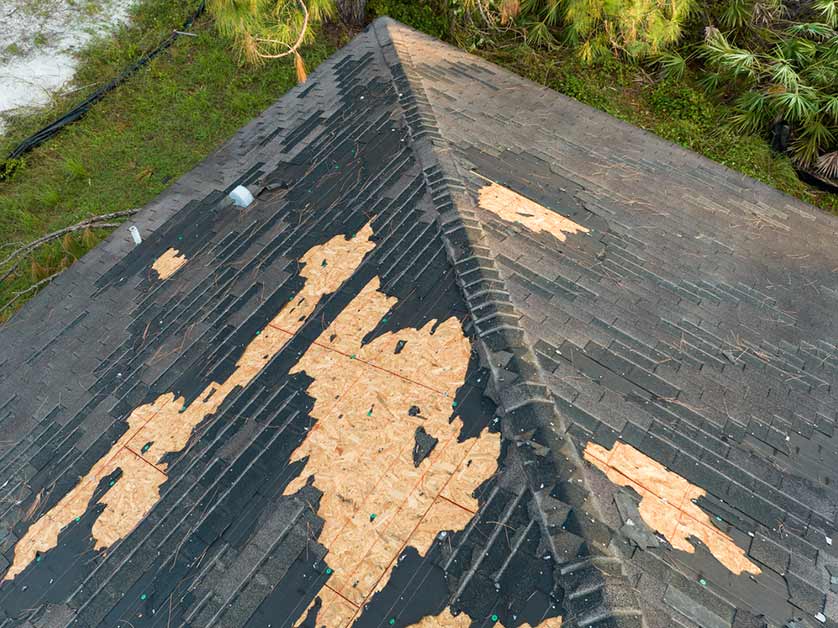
(694, 320)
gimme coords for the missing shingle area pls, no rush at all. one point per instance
(668, 503)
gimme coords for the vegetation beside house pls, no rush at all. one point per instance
(711, 89)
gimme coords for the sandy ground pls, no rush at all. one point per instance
(38, 42)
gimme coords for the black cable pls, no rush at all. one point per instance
(79, 110)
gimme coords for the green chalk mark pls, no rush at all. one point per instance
(328, 571)
(143, 597)
(494, 617)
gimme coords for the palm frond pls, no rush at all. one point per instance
(753, 112)
(672, 65)
(797, 106)
(509, 10)
(814, 30)
(539, 35)
(736, 14)
(827, 164)
(783, 73)
(766, 12)
(553, 13)
(828, 9)
(830, 107)
(728, 58)
(710, 81)
(814, 137)
(796, 50)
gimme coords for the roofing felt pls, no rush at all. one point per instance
(476, 355)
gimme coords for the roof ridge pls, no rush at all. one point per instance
(531, 418)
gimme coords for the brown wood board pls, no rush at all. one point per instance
(667, 503)
(165, 425)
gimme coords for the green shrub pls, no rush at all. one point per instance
(673, 100)
(428, 16)
(598, 29)
(780, 71)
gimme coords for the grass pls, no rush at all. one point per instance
(136, 141)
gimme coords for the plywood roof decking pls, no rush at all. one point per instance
(512, 207)
(446, 620)
(164, 426)
(169, 263)
(360, 452)
(668, 503)
(429, 230)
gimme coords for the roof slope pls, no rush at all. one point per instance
(476, 355)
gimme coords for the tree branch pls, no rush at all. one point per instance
(291, 49)
(32, 288)
(13, 258)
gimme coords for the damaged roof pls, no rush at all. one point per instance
(476, 355)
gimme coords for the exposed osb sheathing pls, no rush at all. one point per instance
(360, 452)
(325, 268)
(169, 263)
(165, 425)
(667, 503)
(512, 207)
(446, 620)
(334, 610)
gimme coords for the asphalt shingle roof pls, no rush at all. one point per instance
(476, 355)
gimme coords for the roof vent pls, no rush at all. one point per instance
(135, 234)
(241, 196)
